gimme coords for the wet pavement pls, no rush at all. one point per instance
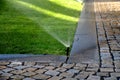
(107, 15)
(85, 42)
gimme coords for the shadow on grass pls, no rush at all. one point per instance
(2, 4)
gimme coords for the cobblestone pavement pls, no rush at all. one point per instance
(108, 31)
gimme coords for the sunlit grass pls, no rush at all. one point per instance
(37, 26)
(48, 12)
(73, 4)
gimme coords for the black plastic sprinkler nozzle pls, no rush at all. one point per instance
(67, 51)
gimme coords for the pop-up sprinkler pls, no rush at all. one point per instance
(67, 51)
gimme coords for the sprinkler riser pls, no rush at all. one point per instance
(67, 51)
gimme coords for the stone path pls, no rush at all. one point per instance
(48, 71)
(108, 34)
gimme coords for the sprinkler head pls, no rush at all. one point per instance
(67, 51)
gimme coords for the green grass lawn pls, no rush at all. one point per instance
(37, 26)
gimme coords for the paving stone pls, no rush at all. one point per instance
(104, 55)
(69, 79)
(28, 79)
(42, 63)
(106, 70)
(104, 51)
(68, 66)
(49, 67)
(41, 77)
(96, 65)
(55, 78)
(81, 65)
(115, 48)
(115, 74)
(17, 72)
(21, 67)
(6, 74)
(101, 38)
(117, 64)
(117, 58)
(92, 69)
(61, 69)
(103, 74)
(57, 64)
(93, 77)
(82, 79)
(8, 69)
(28, 74)
(52, 72)
(1, 72)
(2, 67)
(104, 47)
(29, 63)
(3, 63)
(38, 66)
(18, 77)
(110, 78)
(73, 71)
(11, 65)
(83, 75)
(4, 77)
(107, 64)
(65, 74)
(30, 69)
(107, 60)
(116, 54)
(16, 63)
(117, 70)
(40, 71)
(79, 68)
